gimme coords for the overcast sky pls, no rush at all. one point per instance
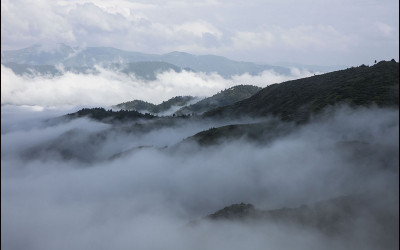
(345, 32)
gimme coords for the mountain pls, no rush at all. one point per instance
(258, 132)
(293, 101)
(143, 106)
(137, 105)
(72, 56)
(223, 98)
(297, 100)
(39, 55)
(332, 217)
(90, 56)
(221, 65)
(145, 70)
(101, 114)
(142, 70)
(27, 69)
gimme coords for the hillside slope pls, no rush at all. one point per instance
(296, 100)
(223, 98)
(143, 106)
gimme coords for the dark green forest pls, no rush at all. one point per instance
(296, 100)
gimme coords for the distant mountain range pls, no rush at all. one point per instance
(76, 59)
(142, 70)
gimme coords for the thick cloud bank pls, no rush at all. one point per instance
(111, 88)
(145, 198)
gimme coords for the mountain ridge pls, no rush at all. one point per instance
(146, 70)
(144, 106)
(224, 97)
(297, 100)
(90, 56)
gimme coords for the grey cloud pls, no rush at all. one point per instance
(209, 40)
(146, 198)
(149, 27)
(93, 19)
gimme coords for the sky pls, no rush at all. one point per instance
(339, 32)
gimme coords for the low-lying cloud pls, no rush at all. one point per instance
(109, 88)
(146, 198)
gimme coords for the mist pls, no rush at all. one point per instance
(110, 88)
(146, 197)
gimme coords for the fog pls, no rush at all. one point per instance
(147, 197)
(111, 88)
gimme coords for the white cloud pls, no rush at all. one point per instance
(384, 29)
(110, 88)
(37, 22)
(91, 17)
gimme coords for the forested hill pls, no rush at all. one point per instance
(223, 98)
(296, 100)
(141, 106)
(183, 103)
(102, 114)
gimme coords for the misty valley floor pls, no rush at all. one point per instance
(82, 184)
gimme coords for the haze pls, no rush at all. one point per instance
(145, 198)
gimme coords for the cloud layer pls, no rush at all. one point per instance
(146, 198)
(110, 88)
